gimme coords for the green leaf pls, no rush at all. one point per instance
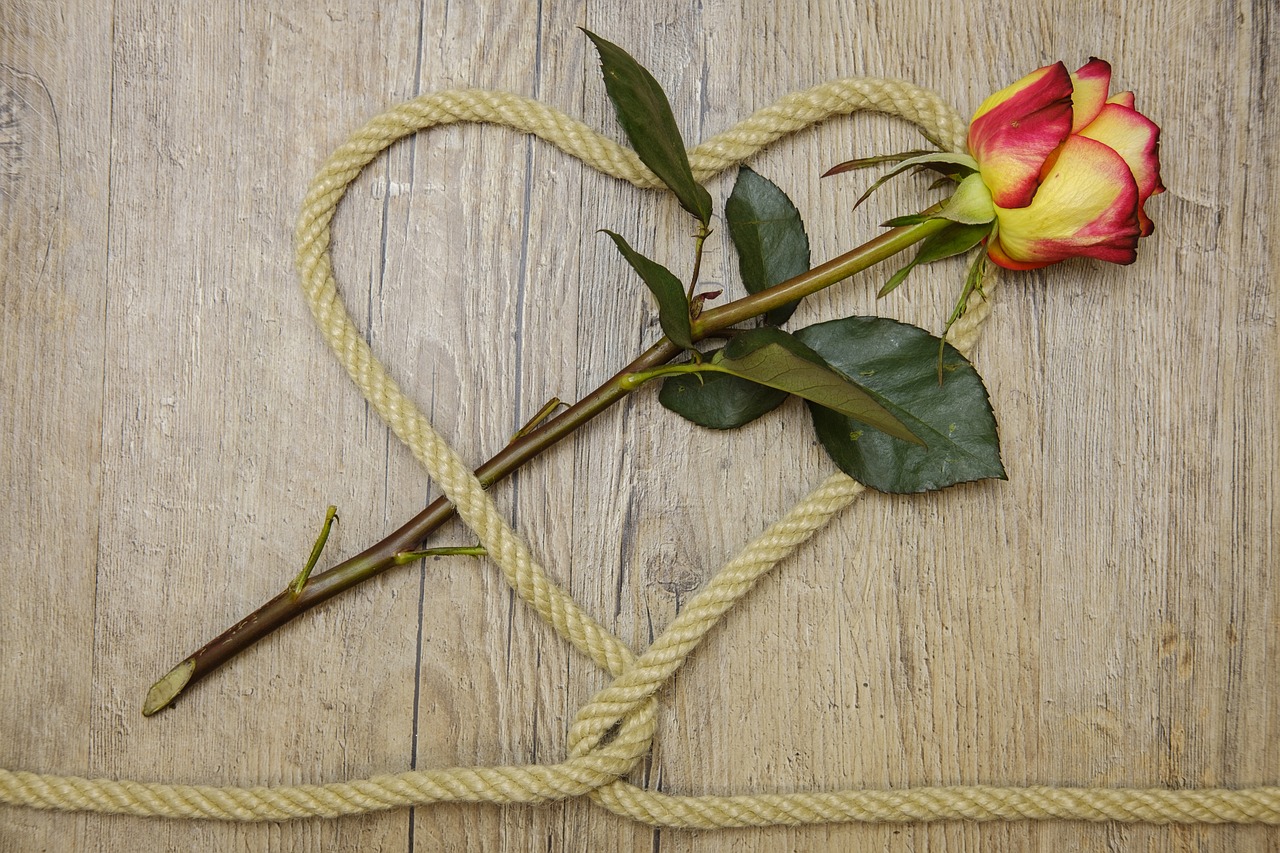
(971, 203)
(955, 239)
(767, 232)
(645, 115)
(773, 358)
(898, 364)
(718, 400)
(673, 305)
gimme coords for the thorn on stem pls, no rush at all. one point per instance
(300, 582)
(406, 557)
(542, 414)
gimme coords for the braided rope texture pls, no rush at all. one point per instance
(614, 731)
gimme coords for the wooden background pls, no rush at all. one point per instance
(172, 427)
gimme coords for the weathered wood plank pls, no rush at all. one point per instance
(53, 235)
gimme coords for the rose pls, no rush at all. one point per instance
(1068, 168)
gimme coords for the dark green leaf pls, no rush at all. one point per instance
(771, 357)
(936, 143)
(939, 162)
(645, 115)
(769, 236)
(895, 280)
(955, 239)
(673, 305)
(972, 283)
(909, 219)
(898, 364)
(950, 171)
(718, 400)
(868, 162)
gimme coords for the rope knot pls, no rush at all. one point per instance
(624, 729)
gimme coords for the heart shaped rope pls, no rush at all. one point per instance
(614, 731)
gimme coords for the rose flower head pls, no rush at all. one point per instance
(1068, 169)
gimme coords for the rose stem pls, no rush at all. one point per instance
(391, 551)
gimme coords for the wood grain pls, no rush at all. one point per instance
(173, 428)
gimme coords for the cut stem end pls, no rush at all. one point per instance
(164, 691)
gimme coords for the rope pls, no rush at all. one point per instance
(613, 731)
